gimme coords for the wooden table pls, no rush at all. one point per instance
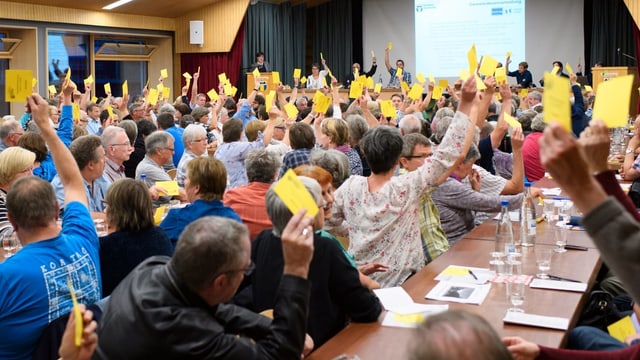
(373, 341)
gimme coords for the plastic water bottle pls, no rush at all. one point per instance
(504, 232)
(527, 218)
(143, 177)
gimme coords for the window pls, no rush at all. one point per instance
(68, 50)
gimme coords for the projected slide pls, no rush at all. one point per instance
(446, 29)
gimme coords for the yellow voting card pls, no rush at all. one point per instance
(296, 73)
(373, 54)
(409, 319)
(387, 109)
(153, 96)
(321, 57)
(420, 78)
(171, 186)
(213, 95)
(228, 89)
(443, 83)
(164, 73)
(256, 73)
(355, 90)
(110, 111)
(369, 83)
(291, 110)
(75, 111)
(276, 77)
(432, 79)
(160, 88)
(166, 92)
(622, 328)
(269, 100)
(303, 80)
(488, 66)
(77, 331)
(416, 92)
(377, 88)
(318, 94)
(588, 88)
(501, 75)
(94, 99)
(612, 102)
(158, 214)
(556, 101)
(399, 72)
(390, 45)
(68, 75)
(568, 67)
(404, 86)
(455, 271)
(479, 83)
(222, 78)
(555, 70)
(293, 194)
(464, 74)
(437, 92)
(362, 79)
(125, 88)
(523, 93)
(472, 57)
(508, 54)
(513, 122)
(322, 104)
(88, 80)
(34, 82)
(18, 85)
(187, 76)
(324, 81)
(107, 88)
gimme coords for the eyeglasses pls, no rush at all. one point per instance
(170, 149)
(123, 144)
(247, 271)
(84, 121)
(17, 133)
(198, 140)
(280, 127)
(417, 156)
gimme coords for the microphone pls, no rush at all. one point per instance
(626, 55)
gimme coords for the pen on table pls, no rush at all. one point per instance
(558, 278)
(472, 274)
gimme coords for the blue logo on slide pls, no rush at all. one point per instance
(496, 11)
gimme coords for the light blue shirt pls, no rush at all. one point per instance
(94, 127)
(94, 198)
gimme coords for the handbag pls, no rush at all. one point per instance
(600, 311)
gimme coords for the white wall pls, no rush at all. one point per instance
(553, 31)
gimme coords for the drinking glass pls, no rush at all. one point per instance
(515, 294)
(543, 260)
(564, 213)
(513, 264)
(496, 263)
(548, 209)
(10, 244)
(560, 234)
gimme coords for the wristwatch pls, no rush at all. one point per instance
(629, 151)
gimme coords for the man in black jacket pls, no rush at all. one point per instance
(356, 72)
(173, 308)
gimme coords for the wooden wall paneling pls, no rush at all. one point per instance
(221, 23)
(25, 58)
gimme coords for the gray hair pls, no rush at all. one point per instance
(208, 247)
(167, 109)
(262, 166)
(109, 135)
(191, 132)
(157, 140)
(199, 112)
(279, 213)
(334, 161)
(410, 141)
(223, 111)
(8, 127)
(441, 128)
(410, 124)
(357, 127)
(473, 154)
(130, 128)
(536, 95)
(538, 124)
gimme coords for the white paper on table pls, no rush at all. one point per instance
(395, 299)
(513, 215)
(558, 285)
(618, 177)
(484, 275)
(466, 293)
(550, 322)
(551, 191)
(391, 320)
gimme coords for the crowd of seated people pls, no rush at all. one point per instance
(390, 201)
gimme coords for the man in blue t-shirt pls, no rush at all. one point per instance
(35, 280)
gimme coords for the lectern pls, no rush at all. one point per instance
(266, 82)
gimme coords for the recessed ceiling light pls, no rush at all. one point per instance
(116, 4)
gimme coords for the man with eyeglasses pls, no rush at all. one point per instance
(159, 147)
(117, 150)
(181, 300)
(10, 133)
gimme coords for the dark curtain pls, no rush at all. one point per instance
(333, 35)
(279, 32)
(611, 29)
(212, 64)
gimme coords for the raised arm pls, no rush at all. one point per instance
(65, 126)
(65, 163)
(502, 127)
(516, 183)
(485, 101)
(194, 89)
(386, 59)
